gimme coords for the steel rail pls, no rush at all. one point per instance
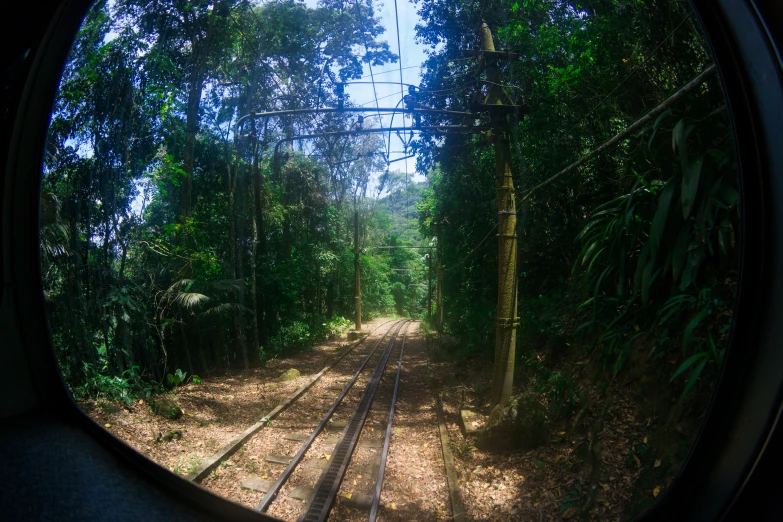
(283, 478)
(376, 498)
(328, 484)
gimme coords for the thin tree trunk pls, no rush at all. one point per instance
(253, 254)
(185, 344)
(201, 52)
(122, 346)
(289, 132)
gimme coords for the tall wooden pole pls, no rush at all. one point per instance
(429, 288)
(439, 284)
(506, 326)
(357, 279)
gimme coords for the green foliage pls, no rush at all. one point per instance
(166, 406)
(127, 387)
(556, 386)
(180, 378)
(332, 328)
(178, 247)
(295, 336)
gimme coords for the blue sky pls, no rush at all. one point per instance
(412, 56)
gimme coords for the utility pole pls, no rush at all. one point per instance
(439, 283)
(429, 287)
(507, 320)
(357, 280)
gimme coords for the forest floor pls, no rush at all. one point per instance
(553, 481)
(548, 483)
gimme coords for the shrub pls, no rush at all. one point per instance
(179, 378)
(294, 336)
(126, 388)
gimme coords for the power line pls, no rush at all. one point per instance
(369, 61)
(412, 67)
(628, 131)
(381, 98)
(390, 71)
(402, 93)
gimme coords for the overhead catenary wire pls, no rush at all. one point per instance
(688, 87)
(402, 94)
(369, 61)
(411, 67)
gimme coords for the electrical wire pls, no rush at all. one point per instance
(412, 67)
(402, 94)
(381, 98)
(369, 61)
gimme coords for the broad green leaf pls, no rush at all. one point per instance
(697, 319)
(647, 279)
(695, 255)
(658, 121)
(680, 251)
(690, 183)
(694, 377)
(640, 264)
(729, 195)
(677, 135)
(661, 215)
(688, 363)
(589, 250)
(595, 258)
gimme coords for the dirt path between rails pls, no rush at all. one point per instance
(414, 486)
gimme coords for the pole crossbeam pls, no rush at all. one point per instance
(300, 112)
(455, 128)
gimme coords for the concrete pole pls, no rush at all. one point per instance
(506, 326)
(357, 279)
(429, 288)
(439, 285)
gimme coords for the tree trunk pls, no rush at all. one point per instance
(199, 65)
(253, 255)
(121, 345)
(185, 344)
(289, 132)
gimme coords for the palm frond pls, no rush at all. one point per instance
(191, 300)
(172, 293)
(224, 308)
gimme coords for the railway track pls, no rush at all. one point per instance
(202, 471)
(322, 496)
(320, 499)
(328, 485)
(275, 489)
